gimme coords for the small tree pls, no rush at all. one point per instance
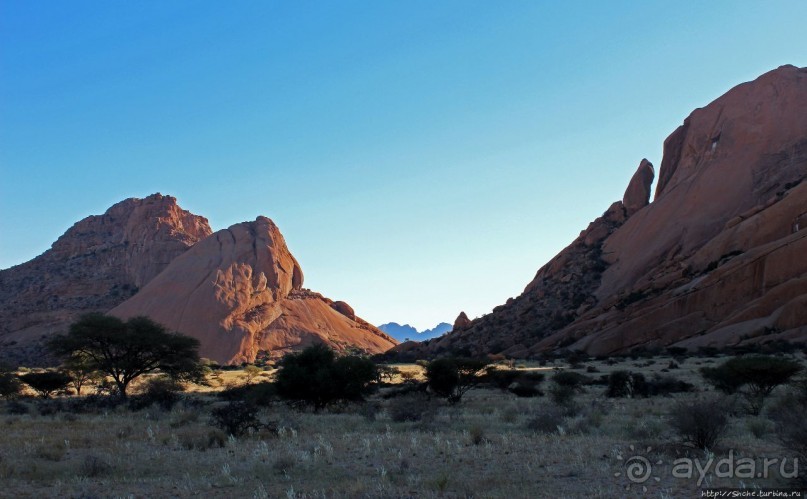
(451, 377)
(127, 350)
(82, 371)
(250, 373)
(758, 374)
(47, 382)
(387, 373)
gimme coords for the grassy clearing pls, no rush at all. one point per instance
(492, 444)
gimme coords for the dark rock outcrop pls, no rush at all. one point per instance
(461, 322)
(637, 195)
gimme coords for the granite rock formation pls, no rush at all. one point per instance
(97, 264)
(240, 293)
(718, 258)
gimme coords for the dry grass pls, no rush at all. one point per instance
(482, 448)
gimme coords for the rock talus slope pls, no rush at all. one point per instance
(98, 263)
(718, 258)
(240, 293)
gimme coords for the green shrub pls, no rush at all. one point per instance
(571, 379)
(160, 391)
(500, 378)
(667, 385)
(519, 383)
(315, 376)
(411, 407)
(259, 394)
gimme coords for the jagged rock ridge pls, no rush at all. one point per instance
(98, 263)
(408, 333)
(718, 257)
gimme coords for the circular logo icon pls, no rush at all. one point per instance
(637, 468)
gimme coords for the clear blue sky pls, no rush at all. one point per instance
(420, 157)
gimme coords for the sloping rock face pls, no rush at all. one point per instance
(97, 264)
(240, 293)
(718, 258)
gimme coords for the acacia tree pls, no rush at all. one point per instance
(82, 369)
(127, 350)
(47, 382)
(758, 374)
(452, 377)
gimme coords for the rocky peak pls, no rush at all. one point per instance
(96, 264)
(637, 195)
(240, 293)
(461, 322)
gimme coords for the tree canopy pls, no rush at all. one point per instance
(452, 377)
(316, 376)
(758, 374)
(47, 382)
(127, 350)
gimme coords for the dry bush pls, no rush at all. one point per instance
(509, 414)
(94, 466)
(160, 391)
(236, 418)
(547, 420)
(411, 407)
(758, 426)
(701, 423)
(184, 418)
(788, 416)
(50, 451)
(15, 407)
(476, 434)
(200, 439)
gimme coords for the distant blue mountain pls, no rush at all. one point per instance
(407, 332)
